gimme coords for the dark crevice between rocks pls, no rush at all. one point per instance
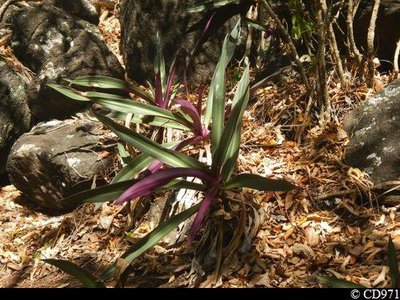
(4, 180)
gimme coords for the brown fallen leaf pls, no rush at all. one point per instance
(298, 248)
(102, 155)
(261, 280)
(312, 236)
(15, 267)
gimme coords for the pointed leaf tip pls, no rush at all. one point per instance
(87, 279)
(151, 239)
(258, 182)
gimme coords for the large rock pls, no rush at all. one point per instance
(56, 45)
(83, 9)
(59, 158)
(141, 20)
(14, 111)
(374, 131)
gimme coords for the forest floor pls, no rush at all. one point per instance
(325, 227)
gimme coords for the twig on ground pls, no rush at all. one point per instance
(370, 44)
(323, 96)
(353, 50)
(396, 58)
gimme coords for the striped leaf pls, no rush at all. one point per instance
(151, 239)
(230, 142)
(228, 49)
(337, 283)
(87, 279)
(260, 183)
(70, 93)
(104, 82)
(149, 147)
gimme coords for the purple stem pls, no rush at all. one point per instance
(191, 110)
(170, 82)
(204, 208)
(200, 99)
(147, 185)
(158, 90)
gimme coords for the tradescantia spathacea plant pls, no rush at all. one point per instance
(175, 167)
(157, 112)
(162, 109)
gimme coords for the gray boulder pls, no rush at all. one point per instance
(15, 118)
(141, 20)
(60, 158)
(83, 9)
(374, 132)
(55, 46)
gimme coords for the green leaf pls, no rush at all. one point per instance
(255, 24)
(233, 40)
(100, 194)
(228, 49)
(87, 279)
(102, 95)
(230, 141)
(70, 93)
(260, 183)
(104, 82)
(149, 147)
(136, 165)
(159, 64)
(130, 106)
(151, 239)
(160, 122)
(125, 155)
(231, 155)
(113, 190)
(338, 283)
(119, 103)
(393, 264)
(218, 108)
(150, 120)
(122, 151)
(133, 168)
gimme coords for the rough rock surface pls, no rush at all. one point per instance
(141, 20)
(15, 117)
(56, 45)
(374, 131)
(59, 158)
(83, 9)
